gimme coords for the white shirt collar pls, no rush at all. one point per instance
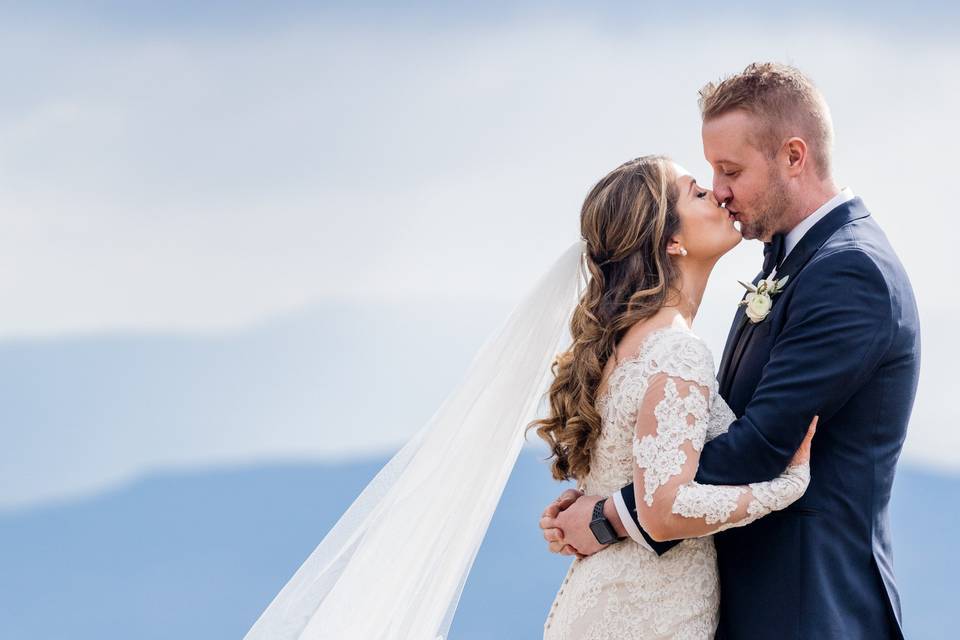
(793, 238)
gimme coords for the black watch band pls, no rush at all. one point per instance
(603, 531)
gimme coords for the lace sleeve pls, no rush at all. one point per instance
(671, 428)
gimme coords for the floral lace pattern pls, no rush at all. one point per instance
(626, 591)
(780, 492)
(715, 504)
(661, 456)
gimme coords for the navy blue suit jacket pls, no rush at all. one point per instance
(842, 341)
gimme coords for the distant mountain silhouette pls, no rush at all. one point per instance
(330, 381)
(198, 555)
(300, 384)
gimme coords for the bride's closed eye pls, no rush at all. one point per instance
(702, 194)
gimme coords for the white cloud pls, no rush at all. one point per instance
(204, 182)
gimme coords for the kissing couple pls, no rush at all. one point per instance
(745, 502)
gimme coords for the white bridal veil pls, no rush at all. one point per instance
(394, 565)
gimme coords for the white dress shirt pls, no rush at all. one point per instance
(796, 234)
(790, 242)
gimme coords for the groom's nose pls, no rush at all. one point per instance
(722, 192)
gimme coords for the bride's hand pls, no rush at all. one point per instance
(551, 532)
(802, 456)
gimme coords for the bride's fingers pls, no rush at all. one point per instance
(802, 456)
(546, 522)
(552, 511)
(811, 430)
(564, 500)
(553, 535)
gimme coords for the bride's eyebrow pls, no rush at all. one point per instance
(693, 183)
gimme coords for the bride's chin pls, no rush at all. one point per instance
(735, 227)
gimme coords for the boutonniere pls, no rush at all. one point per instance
(759, 298)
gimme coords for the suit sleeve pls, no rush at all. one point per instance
(839, 326)
(628, 500)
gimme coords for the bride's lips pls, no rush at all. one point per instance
(732, 214)
(734, 218)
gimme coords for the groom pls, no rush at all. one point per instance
(841, 341)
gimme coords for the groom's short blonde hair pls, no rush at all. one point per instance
(786, 104)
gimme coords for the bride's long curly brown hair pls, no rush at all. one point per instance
(627, 221)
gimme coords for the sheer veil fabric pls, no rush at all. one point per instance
(394, 565)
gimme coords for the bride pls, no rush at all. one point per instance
(632, 397)
(635, 398)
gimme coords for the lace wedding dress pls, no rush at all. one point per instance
(658, 409)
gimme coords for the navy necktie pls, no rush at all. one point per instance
(773, 253)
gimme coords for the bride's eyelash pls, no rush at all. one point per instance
(702, 194)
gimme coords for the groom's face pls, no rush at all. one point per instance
(745, 178)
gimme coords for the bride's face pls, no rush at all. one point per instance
(707, 230)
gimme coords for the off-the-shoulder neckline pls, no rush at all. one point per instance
(639, 353)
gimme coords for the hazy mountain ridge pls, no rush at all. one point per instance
(332, 380)
(199, 554)
(335, 377)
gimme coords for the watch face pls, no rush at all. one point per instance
(603, 532)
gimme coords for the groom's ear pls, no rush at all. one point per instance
(795, 155)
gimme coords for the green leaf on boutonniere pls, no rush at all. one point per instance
(778, 285)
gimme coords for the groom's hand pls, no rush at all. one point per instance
(574, 521)
(566, 524)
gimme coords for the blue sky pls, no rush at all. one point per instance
(208, 169)
(220, 15)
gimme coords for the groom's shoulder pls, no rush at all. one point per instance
(857, 256)
(860, 247)
(853, 251)
(854, 244)
(845, 262)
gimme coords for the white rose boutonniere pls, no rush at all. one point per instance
(759, 298)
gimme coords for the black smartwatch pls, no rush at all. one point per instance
(601, 527)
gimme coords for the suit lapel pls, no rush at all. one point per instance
(740, 322)
(818, 234)
(742, 328)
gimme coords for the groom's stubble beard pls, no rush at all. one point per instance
(770, 210)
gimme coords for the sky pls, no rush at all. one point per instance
(203, 169)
